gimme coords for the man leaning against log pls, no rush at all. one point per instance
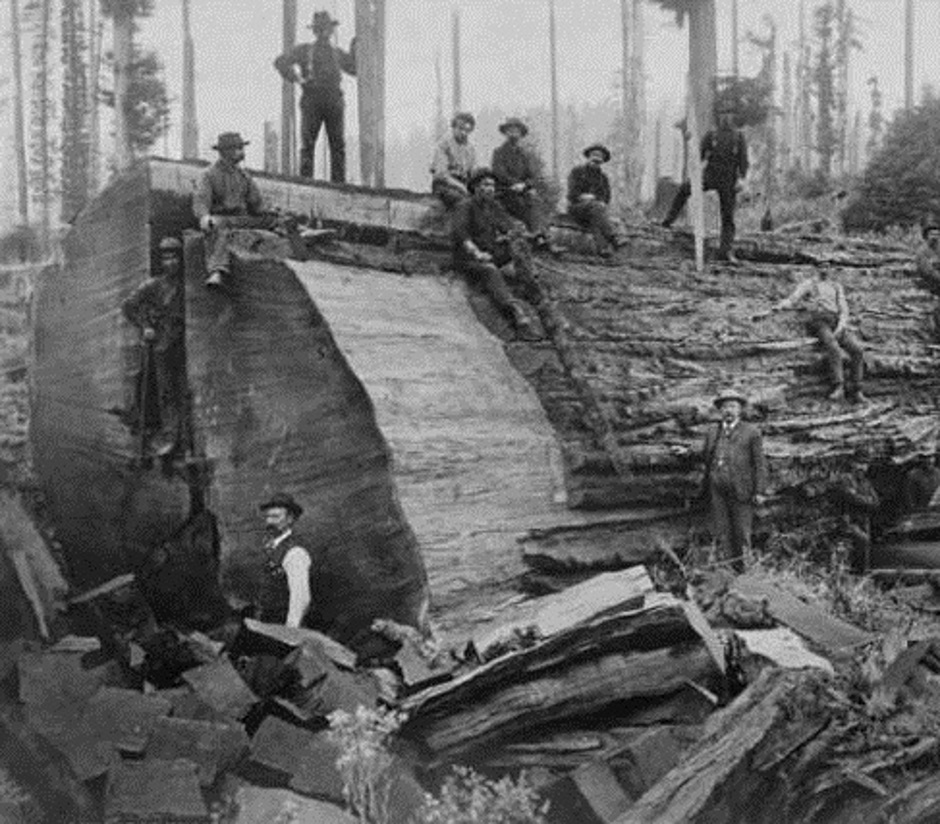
(735, 477)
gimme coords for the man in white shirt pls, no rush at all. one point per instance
(828, 319)
(285, 593)
(454, 162)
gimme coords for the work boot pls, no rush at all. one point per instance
(520, 319)
(667, 222)
(858, 397)
(216, 279)
(837, 394)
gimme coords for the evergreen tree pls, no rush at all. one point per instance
(824, 84)
(42, 149)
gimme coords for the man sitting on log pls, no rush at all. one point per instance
(928, 266)
(226, 197)
(454, 162)
(156, 309)
(827, 318)
(589, 199)
(517, 169)
(485, 240)
(735, 477)
(724, 151)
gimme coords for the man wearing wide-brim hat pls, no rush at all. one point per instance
(735, 476)
(928, 265)
(517, 169)
(589, 198)
(225, 191)
(724, 151)
(286, 586)
(485, 240)
(319, 68)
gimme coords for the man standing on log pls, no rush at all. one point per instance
(724, 151)
(285, 592)
(224, 196)
(827, 318)
(485, 240)
(517, 169)
(928, 266)
(319, 68)
(156, 309)
(589, 199)
(454, 161)
(735, 476)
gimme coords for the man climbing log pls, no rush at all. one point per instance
(319, 68)
(156, 309)
(486, 239)
(826, 311)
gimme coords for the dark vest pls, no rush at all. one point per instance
(275, 593)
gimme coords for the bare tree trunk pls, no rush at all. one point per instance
(786, 142)
(190, 142)
(41, 121)
(735, 41)
(123, 42)
(632, 99)
(95, 30)
(455, 35)
(370, 73)
(74, 110)
(908, 54)
(19, 125)
(288, 132)
(703, 61)
(440, 124)
(553, 57)
(270, 147)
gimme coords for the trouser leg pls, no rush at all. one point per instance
(833, 354)
(678, 203)
(311, 118)
(334, 119)
(721, 520)
(594, 217)
(726, 203)
(489, 277)
(218, 255)
(742, 519)
(853, 348)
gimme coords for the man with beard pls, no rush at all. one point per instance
(225, 196)
(735, 476)
(486, 239)
(454, 162)
(827, 318)
(156, 309)
(319, 68)
(517, 170)
(589, 199)
(285, 592)
(724, 151)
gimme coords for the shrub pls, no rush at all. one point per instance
(469, 798)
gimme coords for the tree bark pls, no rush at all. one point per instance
(19, 126)
(123, 44)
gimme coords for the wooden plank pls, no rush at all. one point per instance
(809, 620)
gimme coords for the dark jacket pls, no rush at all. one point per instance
(321, 65)
(588, 179)
(748, 466)
(483, 222)
(725, 154)
(225, 189)
(514, 163)
(157, 305)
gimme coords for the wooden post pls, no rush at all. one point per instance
(908, 54)
(735, 41)
(19, 125)
(553, 62)
(456, 58)
(288, 139)
(370, 74)
(190, 142)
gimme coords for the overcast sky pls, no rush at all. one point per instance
(505, 57)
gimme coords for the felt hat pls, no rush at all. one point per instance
(322, 21)
(730, 395)
(464, 117)
(598, 147)
(230, 140)
(930, 225)
(170, 244)
(481, 174)
(511, 122)
(283, 500)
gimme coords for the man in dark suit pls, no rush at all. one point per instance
(589, 199)
(736, 477)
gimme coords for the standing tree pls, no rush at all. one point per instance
(42, 148)
(75, 132)
(846, 41)
(875, 120)
(766, 137)
(123, 14)
(824, 84)
(19, 127)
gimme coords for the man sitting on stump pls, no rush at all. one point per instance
(224, 196)
(724, 151)
(589, 199)
(486, 239)
(454, 161)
